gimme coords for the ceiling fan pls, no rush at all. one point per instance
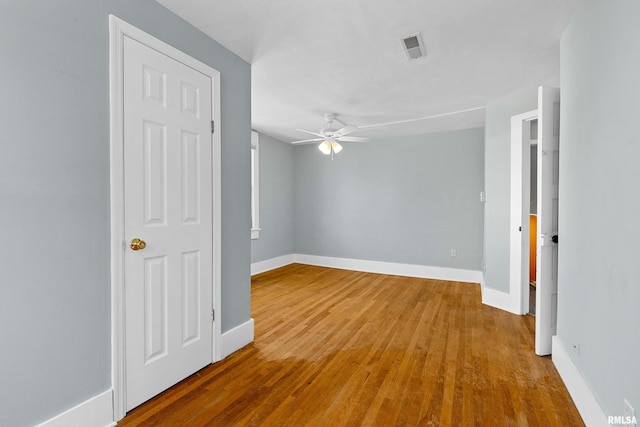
(331, 138)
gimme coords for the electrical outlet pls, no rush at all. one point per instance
(576, 348)
(454, 253)
(629, 412)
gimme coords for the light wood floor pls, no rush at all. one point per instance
(343, 348)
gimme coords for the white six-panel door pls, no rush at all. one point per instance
(168, 205)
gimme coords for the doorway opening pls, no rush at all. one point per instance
(533, 262)
(524, 195)
(533, 213)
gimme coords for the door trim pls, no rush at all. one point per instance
(118, 29)
(520, 182)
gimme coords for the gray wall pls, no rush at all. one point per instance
(276, 200)
(497, 178)
(599, 185)
(55, 308)
(405, 200)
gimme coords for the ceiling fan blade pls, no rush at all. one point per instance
(345, 130)
(311, 133)
(353, 139)
(307, 141)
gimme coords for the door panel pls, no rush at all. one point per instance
(548, 174)
(190, 297)
(190, 178)
(168, 204)
(155, 308)
(154, 189)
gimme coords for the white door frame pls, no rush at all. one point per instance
(118, 29)
(520, 197)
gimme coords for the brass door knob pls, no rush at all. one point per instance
(137, 244)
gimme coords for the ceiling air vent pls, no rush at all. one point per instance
(413, 46)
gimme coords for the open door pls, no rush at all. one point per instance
(547, 244)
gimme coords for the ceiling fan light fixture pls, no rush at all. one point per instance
(329, 138)
(336, 147)
(325, 147)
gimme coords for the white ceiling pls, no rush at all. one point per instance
(346, 57)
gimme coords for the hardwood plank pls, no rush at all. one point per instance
(344, 348)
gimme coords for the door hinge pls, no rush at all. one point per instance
(213, 126)
(213, 315)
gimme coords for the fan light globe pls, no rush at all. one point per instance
(336, 147)
(325, 147)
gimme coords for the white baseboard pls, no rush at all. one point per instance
(498, 299)
(236, 338)
(95, 412)
(589, 408)
(271, 264)
(380, 267)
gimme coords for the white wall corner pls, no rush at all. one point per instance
(498, 299)
(588, 406)
(95, 412)
(236, 338)
(271, 264)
